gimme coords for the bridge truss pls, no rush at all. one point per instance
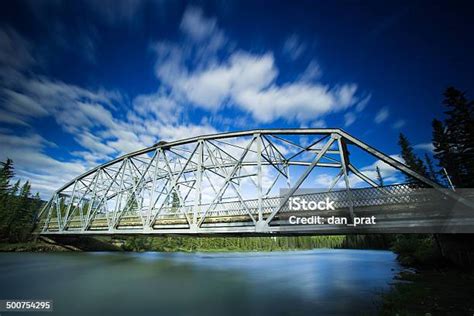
(237, 182)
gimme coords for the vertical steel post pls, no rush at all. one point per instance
(259, 176)
(197, 202)
(342, 154)
(70, 204)
(153, 188)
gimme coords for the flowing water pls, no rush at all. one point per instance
(316, 282)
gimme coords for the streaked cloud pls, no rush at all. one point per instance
(429, 147)
(399, 124)
(294, 47)
(381, 115)
(349, 119)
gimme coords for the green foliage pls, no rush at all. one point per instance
(192, 243)
(432, 174)
(453, 139)
(410, 158)
(379, 176)
(6, 174)
(416, 249)
(137, 243)
(174, 201)
(17, 207)
(132, 201)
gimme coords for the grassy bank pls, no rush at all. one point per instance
(440, 291)
(437, 285)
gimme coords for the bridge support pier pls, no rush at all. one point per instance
(194, 228)
(262, 227)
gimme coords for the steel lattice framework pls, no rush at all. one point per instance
(222, 183)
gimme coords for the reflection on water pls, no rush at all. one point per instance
(277, 283)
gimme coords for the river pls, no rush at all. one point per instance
(316, 282)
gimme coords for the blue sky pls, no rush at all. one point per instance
(84, 82)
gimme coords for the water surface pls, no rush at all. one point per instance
(316, 282)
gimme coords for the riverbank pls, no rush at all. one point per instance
(439, 279)
(440, 291)
(32, 246)
(43, 244)
(201, 244)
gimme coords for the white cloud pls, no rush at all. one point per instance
(360, 106)
(248, 82)
(244, 72)
(159, 105)
(293, 47)
(9, 118)
(244, 80)
(200, 28)
(31, 163)
(425, 146)
(170, 133)
(319, 124)
(116, 11)
(312, 72)
(399, 124)
(389, 174)
(349, 119)
(15, 51)
(381, 115)
(295, 101)
(23, 104)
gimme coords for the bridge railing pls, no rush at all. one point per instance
(360, 197)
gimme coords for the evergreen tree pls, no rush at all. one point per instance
(36, 205)
(411, 159)
(454, 138)
(17, 207)
(6, 174)
(6, 191)
(21, 221)
(432, 174)
(175, 201)
(379, 176)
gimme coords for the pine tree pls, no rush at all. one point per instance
(411, 159)
(6, 191)
(6, 174)
(175, 204)
(17, 207)
(432, 174)
(21, 223)
(379, 176)
(454, 138)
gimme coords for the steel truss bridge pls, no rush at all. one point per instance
(241, 182)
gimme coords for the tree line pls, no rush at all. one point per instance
(278, 243)
(453, 152)
(453, 144)
(18, 207)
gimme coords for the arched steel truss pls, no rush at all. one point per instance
(226, 183)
